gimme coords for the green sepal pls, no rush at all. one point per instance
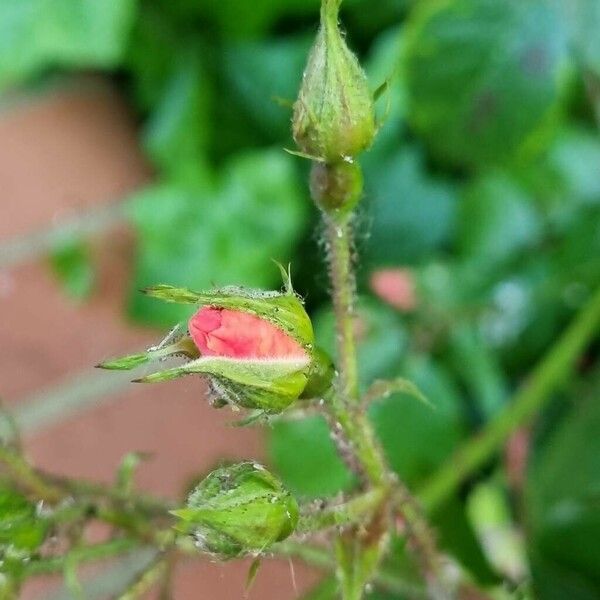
(183, 347)
(126, 363)
(267, 384)
(320, 375)
(238, 510)
(283, 309)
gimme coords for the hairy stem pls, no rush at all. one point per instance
(422, 539)
(82, 554)
(344, 403)
(323, 558)
(354, 511)
(339, 241)
(27, 478)
(529, 400)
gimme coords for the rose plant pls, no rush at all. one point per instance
(256, 351)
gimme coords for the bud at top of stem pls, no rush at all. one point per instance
(334, 116)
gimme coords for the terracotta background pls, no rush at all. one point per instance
(63, 153)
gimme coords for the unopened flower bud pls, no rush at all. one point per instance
(256, 348)
(334, 117)
(22, 529)
(238, 510)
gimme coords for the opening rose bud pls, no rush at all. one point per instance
(256, 348)
(236, 334)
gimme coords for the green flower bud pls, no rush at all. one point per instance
(22, 529)
(334, 117)
(238, 510)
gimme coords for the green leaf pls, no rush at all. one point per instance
(36, 34)
(564, 178)
(176, 134)
(479, 368)
(382, 339)
(242, 19)
(457, 536)
(325, 590)
(201, 235)
(72, 263)
(249, 68)
(413, 213)
(563, 490)
(383, 388)
(497, 221)
(305, 457)
(415, 438)
(584, 19)
(485, 77)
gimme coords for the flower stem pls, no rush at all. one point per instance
(344, 403)
(533, 395)
(82, 554)
(353, 512)
(147, 579)
(323, 558)
(28, 478)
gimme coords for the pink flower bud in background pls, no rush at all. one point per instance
(396, 287)
(237, 334)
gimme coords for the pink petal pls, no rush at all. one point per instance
(224, 332)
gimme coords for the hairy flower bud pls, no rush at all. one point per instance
(334, 117)
(256, 348)
(238, 510)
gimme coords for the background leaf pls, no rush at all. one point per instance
(36, 34)
(203, 234)
(501, 62)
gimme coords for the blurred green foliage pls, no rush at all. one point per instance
(484, 181)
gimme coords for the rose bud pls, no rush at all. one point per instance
(238, 510)
(334, 117)
(22, 529)
(256, 348)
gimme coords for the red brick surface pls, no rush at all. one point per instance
(60, 154)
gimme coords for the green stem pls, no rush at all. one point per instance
(323, 558)
(82, 554)
(422, 538)
(529, 400)
(28, 478)
(147, 579)
(344, 403)
(353, 512)
(339, 239)
(330, 10)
